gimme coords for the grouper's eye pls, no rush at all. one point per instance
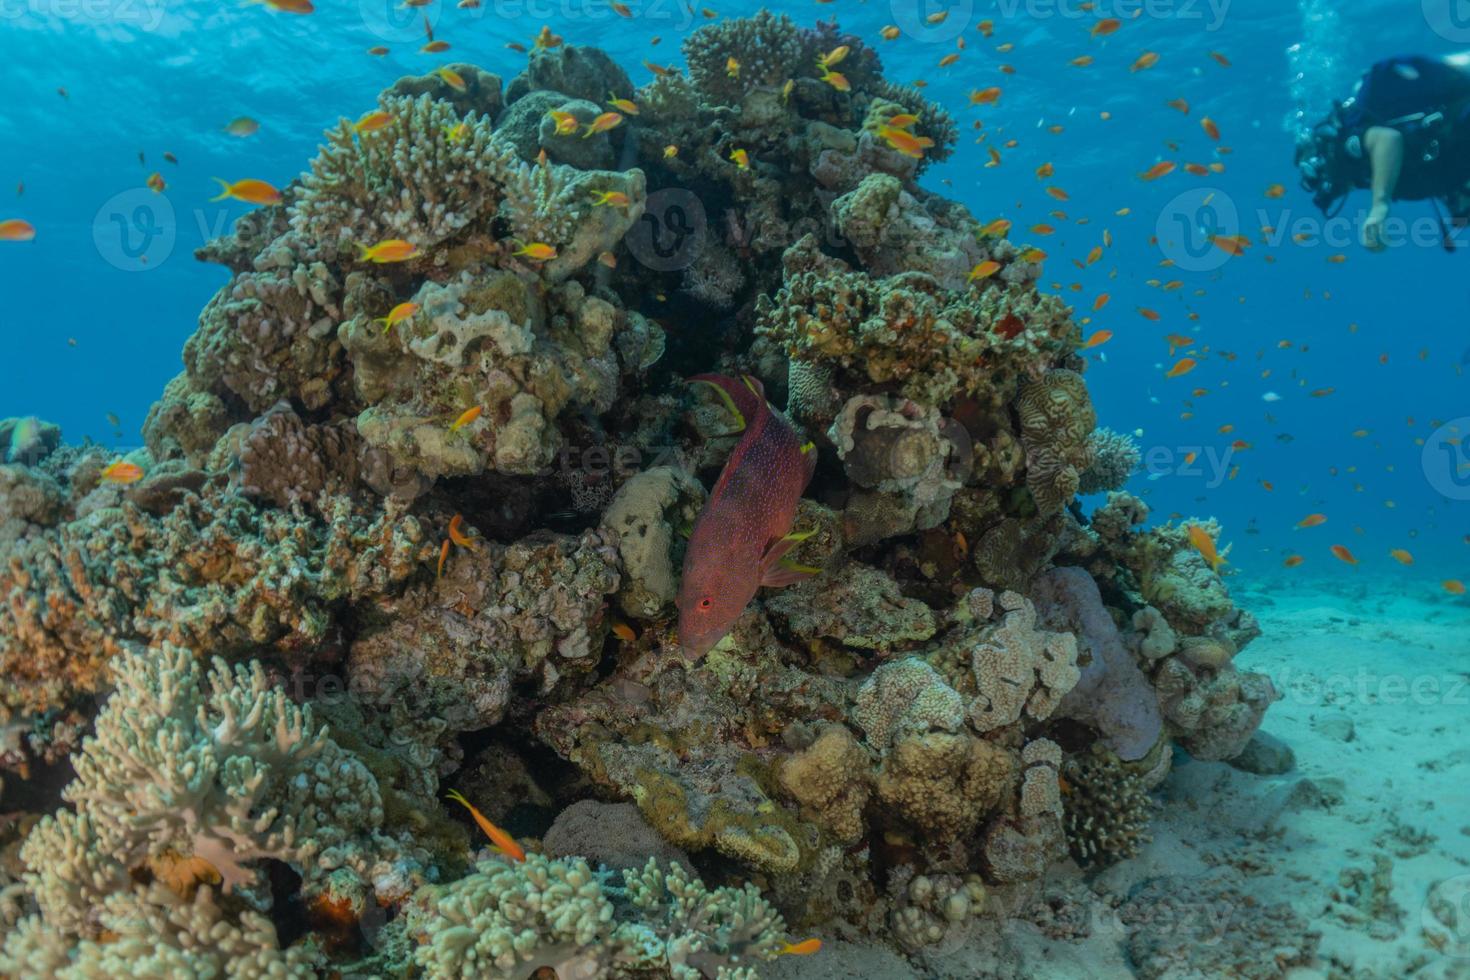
(706, 602)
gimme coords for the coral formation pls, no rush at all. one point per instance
(441, 505)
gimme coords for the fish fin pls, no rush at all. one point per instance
(787, 573)
(743, 400)
(224, 193)
(775, 563)
(808, 447)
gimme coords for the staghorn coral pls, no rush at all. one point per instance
(1107, 808)
(410, 180)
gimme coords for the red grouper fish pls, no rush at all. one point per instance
(742, 535)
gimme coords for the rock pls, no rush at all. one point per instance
(614, 834)
(1339, 727)
(1265, 755)
(1316, 794)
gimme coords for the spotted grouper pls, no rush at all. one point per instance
(742, 535)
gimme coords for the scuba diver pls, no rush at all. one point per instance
(1404, 134)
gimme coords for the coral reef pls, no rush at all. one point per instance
(414, 521)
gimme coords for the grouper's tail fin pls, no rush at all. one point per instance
(745, 398)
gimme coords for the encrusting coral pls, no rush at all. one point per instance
(442, 503)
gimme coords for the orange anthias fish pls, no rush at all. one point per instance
(537, 252)
(465, 418)
(289, 6)
(1292, 561)
(397, 315)
(804, 948)
(742, 535)
(566, 123)
(249, 190)
(503, 843)
(904, 141)
(1402, 557)
(1342, 554)
(1205, 545)
(603, 123)
(457, 535)
(1160, 169)
(392, 250)
(1098, 339)
(984, 270)
(1312, 520)
(121, 471)
(1453, 586)
(16, 230)
(371, 122)
(1182, 367)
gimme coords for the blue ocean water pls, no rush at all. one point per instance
(97, 307)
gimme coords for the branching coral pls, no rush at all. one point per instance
(1107, 808)
(767, 48)
(192, 777)
(413, 179)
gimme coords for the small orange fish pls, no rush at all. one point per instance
(1182, 367)
(615, 199)
(1312, 520)
(623, 631)
(1160, 169)
(741, 158)
(566, 123)
(443, 557)
(1057, 194)
(627, 106)
(289, 6)
(121, 471)
(804, 948)
(1106, 26)
(984, 270)
(245, 126)
(537, 252)
(996, 228)
(1098, 339)
(465, 418)
(1223, 61)
(1148, 314)
(1205, 545)
(16, 230)
(451, 78)
(503, 842)
(1211, 130)
(1402, 557)
(603, 123)
(1101, 301)
(371, 122)
(904, 141)
(1292, 561)
(397, 315)
(156, 183)
(1233, 244)
(546, 40)
(1082, 61)
(985, 96)
(249, 190)
(1181, 104)
(377, 51)
(889, 33)
(1276, 190)
(457, 535)
(1453, 586)
(1145, 61)
(1342, 554)
(392, 250)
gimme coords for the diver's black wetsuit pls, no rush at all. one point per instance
(1428, 101)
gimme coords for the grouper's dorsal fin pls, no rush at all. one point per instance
(744, 398)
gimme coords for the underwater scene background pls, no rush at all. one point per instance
(1090, 602)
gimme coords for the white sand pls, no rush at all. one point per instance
(1374, 815)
